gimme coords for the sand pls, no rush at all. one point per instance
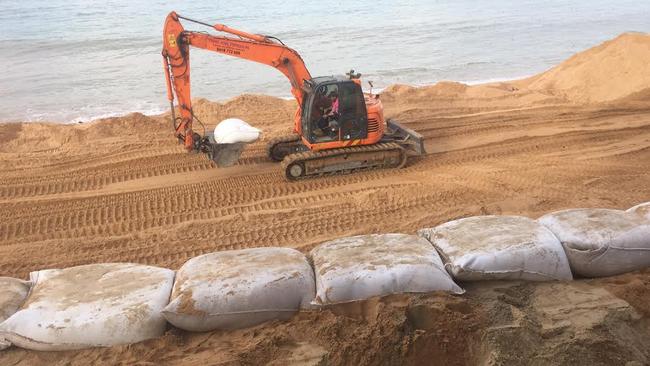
(121, 189)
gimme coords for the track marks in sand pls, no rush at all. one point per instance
(97, 177)
(162, 206)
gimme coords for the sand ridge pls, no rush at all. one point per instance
(122, 190)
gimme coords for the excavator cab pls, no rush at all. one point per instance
(320, 124)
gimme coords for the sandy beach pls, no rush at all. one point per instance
(122, 190)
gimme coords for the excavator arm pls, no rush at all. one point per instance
(176, 61)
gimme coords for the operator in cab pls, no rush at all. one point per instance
(329, 121)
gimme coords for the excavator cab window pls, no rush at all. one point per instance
(335, 111)
(353, 118)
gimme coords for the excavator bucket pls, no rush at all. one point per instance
(225, 155)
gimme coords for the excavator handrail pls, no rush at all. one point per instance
(253, 47)
(224, 28)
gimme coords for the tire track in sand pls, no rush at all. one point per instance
(161, 207)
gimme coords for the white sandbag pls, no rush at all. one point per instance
(601, 242)
(12, 294)
(642, 210)
(499, 248)
(234, 130)
(240, 288)
(360, 267)
(91, 305)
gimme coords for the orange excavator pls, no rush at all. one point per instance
(337, 128)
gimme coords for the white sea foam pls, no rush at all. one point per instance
(91, 117)
(494, 80)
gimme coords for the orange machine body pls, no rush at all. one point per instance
(263, 49)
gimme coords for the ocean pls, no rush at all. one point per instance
(72, 61)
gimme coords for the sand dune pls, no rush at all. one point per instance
(121, 189)
(610, 71)
(616, 69)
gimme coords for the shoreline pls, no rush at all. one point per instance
(157, 111)
(629, 42)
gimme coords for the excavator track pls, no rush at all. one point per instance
(343, 160)
(279, 147)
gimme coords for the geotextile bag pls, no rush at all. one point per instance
(234, 130)
(499, 248)
(360, 267)
(89, 306)
(12, 294)
(240, 288)
(601, 242)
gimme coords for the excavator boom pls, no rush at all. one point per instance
(263, 49)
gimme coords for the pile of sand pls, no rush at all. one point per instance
(616, 69)
(613, 70)
(267, 113)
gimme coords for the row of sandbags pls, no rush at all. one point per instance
(581, 242)
(109, 304)
(236, 289)
(118, 303)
